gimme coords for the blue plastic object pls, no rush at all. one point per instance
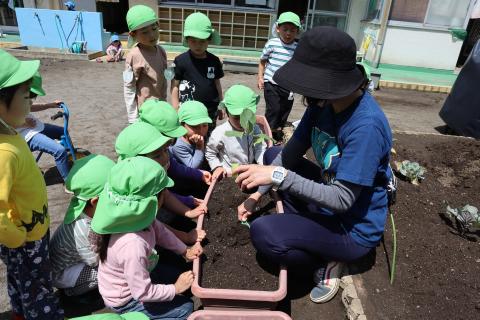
(70, 5)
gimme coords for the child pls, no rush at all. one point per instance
(145, 63)
(164, 118)
(125, 219)
(223, 151)
(24, 218)
(114, 50)
(197, 71)
(189, 149)
(276, 53)
(41, 136)
(142, 139)
(74, 262)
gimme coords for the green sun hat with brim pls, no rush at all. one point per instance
(129, 203)
(86, 180)
(163, 117)
(36, 86)
(14, 71)
(139, 138)
(193, 113)
(140, 16)
(289, 17)
(114, 316)
(198, 25)
(238, 98)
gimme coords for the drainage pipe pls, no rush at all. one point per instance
(382, 32)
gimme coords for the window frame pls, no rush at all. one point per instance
(231, 6)
(428, 26)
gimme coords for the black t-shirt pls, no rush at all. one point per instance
(197, 78)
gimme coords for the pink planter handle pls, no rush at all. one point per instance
(211, 297)
(238, 315)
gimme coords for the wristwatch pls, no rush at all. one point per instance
(278, 175)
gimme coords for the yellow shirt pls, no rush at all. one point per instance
(23, 194)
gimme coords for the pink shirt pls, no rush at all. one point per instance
(124, 275)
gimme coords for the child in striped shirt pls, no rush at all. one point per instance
(277, 52)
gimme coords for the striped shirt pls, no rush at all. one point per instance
(70, 245)
(276, 53)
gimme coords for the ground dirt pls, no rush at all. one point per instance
(94, 93)
(437, 270)
(229, 250)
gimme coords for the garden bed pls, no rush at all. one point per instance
(229, 250)
(437, 274)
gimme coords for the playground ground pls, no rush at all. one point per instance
(94, 93)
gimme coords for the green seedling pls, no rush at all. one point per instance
(245, 223)
(467, 219)
(411, 170)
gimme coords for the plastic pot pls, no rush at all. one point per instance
(235, 298)
(238, 315)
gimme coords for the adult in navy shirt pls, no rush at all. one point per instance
(335, 208)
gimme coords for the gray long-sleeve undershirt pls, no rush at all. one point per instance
(338, 197)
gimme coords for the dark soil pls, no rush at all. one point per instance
(231, 261)
(437, 274)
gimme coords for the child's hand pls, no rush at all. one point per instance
(198, 141)
(207, 177)
(184, 282)
(248, 207)
(200, 209)
(195, 236)
(194, 252)
(55, 104)
(260, 83)
(197, 201)
(218, 173)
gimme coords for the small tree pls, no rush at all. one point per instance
(247, 122)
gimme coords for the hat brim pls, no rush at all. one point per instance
(215, 38)
(134, 316)
(176, 133)
(155, 145)
(25, 72)
(198, 121)
(38, 91)
(319, 83)
(75, 208)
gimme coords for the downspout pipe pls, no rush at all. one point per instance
(382, 32)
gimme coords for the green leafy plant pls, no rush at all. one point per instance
(467, 218)
(247, 122)
(411, 170)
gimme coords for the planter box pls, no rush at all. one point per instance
(234, 298)
(238, 315)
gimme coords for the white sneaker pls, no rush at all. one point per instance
(327, 282)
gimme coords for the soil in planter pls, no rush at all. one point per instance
(437, 270)
(230, 260)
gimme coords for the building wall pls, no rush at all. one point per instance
(420, 48)
(86, 5)
(151, 3)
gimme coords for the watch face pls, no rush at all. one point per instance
(277, 175)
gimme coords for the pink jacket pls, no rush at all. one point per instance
(124, 275)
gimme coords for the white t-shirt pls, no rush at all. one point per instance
(28, 132)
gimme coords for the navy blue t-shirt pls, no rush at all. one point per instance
(353, 146)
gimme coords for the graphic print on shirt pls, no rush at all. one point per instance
(186, 89)
(37, 217)
(326, 152)
(210, 72)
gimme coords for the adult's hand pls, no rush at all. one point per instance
(248, 206)
(253, 175)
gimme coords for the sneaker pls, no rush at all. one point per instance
(327, 280)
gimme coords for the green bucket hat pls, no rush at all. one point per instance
(129, 203)
(140, 16)
(239, 97)
(36, 86)
(14, 71)
(137, 139)
(163, 117)
(114, 316)
(86, 180)
(289, 17)
(193, 113)
(198, 25)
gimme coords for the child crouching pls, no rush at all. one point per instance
(125, 218)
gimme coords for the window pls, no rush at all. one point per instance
(374, 10)
(438, 13)
(217, 2)
(268, 4)
(330, 5)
